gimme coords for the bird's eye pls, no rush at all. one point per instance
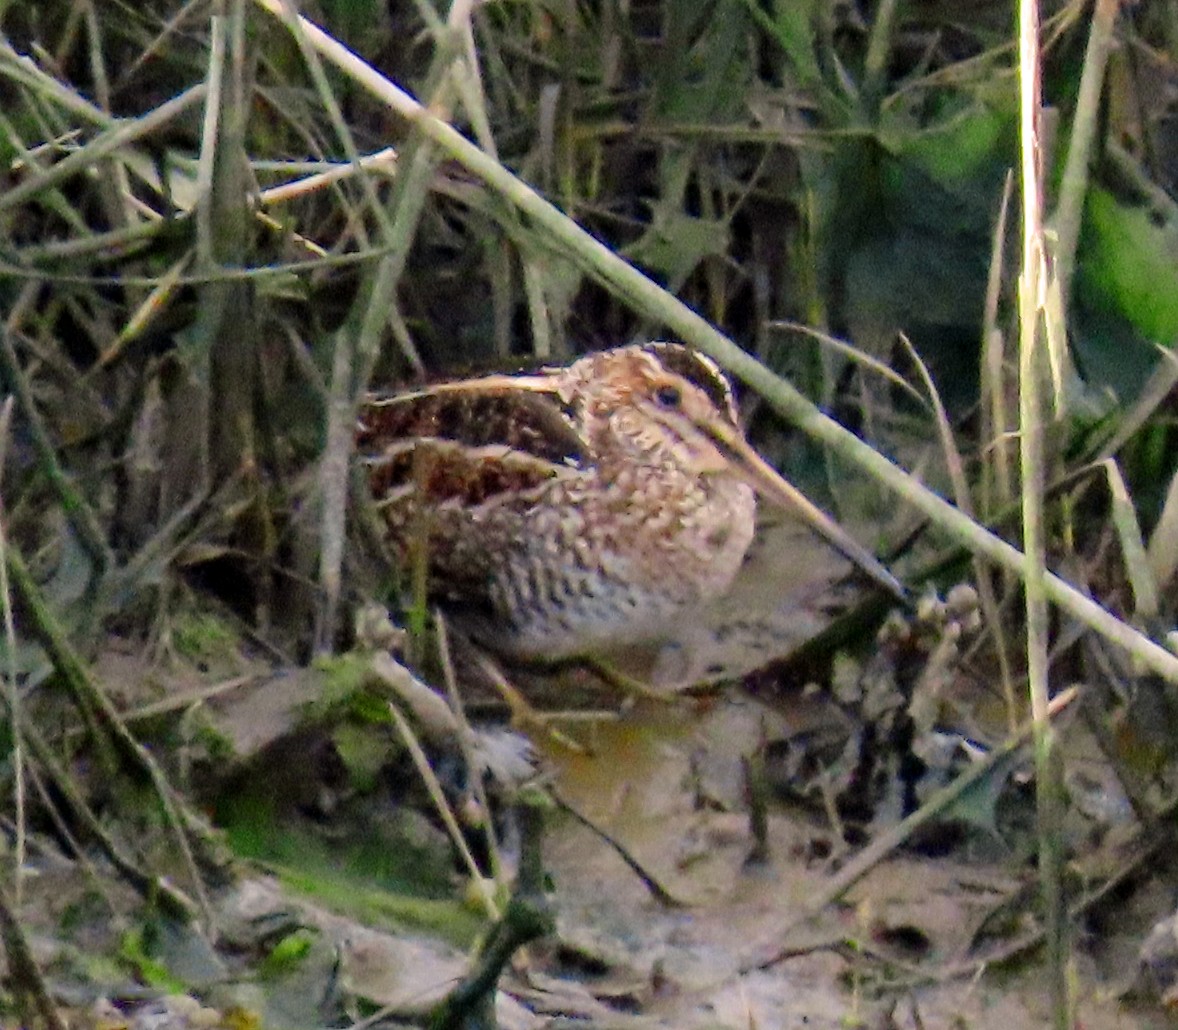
(668, 396)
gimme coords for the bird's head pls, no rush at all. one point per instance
(658, 404)
(666, 404)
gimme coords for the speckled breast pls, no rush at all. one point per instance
(598, 571)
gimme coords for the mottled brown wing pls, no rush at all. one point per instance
(441, 473)
(527, 421)
(436, 459)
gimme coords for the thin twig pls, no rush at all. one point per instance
(649, 880)
(443, 808)
(465, 736)
(889, 841)
(961, 493)
(10, 675)
(121, 135)
(90, 697)
(75, 507)
(24, 978)
(154, 888)
(527, 918)
(1033, 290)
(1074, 182)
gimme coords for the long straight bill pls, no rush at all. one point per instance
(773, 487)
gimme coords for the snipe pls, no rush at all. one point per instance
(582, 507)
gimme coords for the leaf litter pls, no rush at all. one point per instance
(669, 784)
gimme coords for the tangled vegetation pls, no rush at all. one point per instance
(223, 221)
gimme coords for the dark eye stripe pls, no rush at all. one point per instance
(698, 370)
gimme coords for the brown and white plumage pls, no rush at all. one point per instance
(581, 507)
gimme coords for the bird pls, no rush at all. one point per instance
(567, 511)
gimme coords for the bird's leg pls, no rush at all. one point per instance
(628, 685)
(604, 670)
(527, 717)
(457, 648)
